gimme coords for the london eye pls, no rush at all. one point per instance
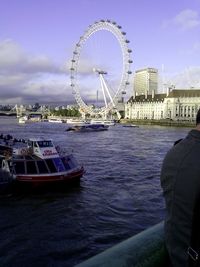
(100, 68)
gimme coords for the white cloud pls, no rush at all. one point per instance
(27, 79)
(187, 19)
(188, 78)
(14, 60)
(194, 50)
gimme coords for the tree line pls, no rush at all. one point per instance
(66, 112)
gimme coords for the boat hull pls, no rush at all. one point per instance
(50, 178)
(5, 187)
(89, 128)
(6, 182)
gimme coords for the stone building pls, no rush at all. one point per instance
(174, 105)
(145, 80)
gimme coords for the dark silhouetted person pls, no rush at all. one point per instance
(180, 180)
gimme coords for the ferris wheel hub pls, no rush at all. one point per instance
(99, 71)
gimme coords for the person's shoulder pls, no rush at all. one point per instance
(178, 141)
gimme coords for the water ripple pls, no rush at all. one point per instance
(118, 196)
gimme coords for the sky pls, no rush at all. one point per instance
(38, 37)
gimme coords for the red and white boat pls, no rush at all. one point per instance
(39, 161)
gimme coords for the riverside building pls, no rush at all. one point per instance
(176, 104)
(146, 80)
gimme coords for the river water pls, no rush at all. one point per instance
(119, 195)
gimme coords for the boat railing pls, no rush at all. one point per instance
(23, 151)
(7, 154)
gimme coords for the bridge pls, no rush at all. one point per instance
(7, 113)
(22, 110)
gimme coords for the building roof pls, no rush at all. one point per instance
(147, 69)
(184, 93)
(160, 97)
(141, 98)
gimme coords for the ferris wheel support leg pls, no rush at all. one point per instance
(102, 87)
(118, 114)
(107, 90)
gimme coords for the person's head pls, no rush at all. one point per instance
(198, 117)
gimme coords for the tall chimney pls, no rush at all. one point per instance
(168, 91)
(146, 94)
(153, 94)
(134, 94)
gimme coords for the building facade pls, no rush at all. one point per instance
(178, 105)
(146, 80)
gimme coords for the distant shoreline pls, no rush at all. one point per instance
(190, 124)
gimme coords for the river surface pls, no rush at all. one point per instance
(119, 195)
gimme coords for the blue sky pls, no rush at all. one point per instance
(37, 39)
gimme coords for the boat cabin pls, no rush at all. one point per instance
(40, 161)
(32, 165)
(43, 148)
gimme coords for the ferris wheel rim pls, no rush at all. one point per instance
(115, 29)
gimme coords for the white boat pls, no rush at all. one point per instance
(23, 119)
(88, 128)
(131, 125)
(55, 120)
(38, 161)
(77, 121)
(34, 118)
(105, 122)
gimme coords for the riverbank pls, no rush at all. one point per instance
(190, 124)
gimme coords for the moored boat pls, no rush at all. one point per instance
(55, 120)
(38, 161)
(23, 119)
(77, 121)
(105, 122)
(131, 125)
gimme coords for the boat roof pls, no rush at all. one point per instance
(36, 139)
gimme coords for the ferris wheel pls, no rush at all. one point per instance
(110, 88)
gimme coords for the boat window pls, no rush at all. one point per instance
(35, 144)
(19, 167)
(31, 167)
(29, 158)
(42, 167)
(65, 161)
(30, 143)
(59, 165)
(45, 143)
(51, 165)
(71, 164)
